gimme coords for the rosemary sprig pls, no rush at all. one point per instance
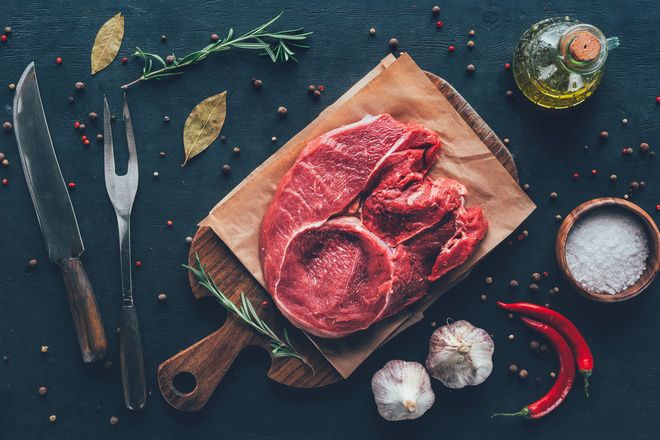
(279, 48)
(281, 347)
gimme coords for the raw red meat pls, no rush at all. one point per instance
(356, 230)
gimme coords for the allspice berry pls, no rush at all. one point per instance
(236, 150)
(80, 86)
(214, 38)
(513, 284)
(604, 135)
(6, 126)
(526, 187)
(536, 277)
(163, 38)
(281, 111)
(225, 169)
(311, 88)
(553, 195)
(634, 186)
(81, 127)
(114, 420)
(189, 240)
(169, 59)
(93, 116)
(32, 264)
(534, 345)
(372, 31)
(258, 83)
(166, 119)
(317, 93)
(534, 287)
(162, 297)
(43, 391)
(435, 10)
(523, 374)
(644, 146)
(470, 68)
(394, 42)
(470, 44)
(513, 369)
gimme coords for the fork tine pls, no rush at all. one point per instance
(132, 154)
(108, 149)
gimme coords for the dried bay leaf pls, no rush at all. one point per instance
(107, 43)
(204, 124)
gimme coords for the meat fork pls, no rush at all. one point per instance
(121, 190)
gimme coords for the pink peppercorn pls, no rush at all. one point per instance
(3, 38)
(124, 60)
(5, 181)
(593, 172)
(507, 66)
(576, 175)
(439, 24)
(86, 142)
(451, 48)
(72, 185)
(169, 223)
(58, 60)
(657, 99)
(138, 264)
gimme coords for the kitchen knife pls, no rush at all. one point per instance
(55, 213)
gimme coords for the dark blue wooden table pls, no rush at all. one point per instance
(548, 147)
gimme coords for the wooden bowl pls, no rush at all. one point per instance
(652, 262)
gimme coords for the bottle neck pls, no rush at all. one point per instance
(583, 49)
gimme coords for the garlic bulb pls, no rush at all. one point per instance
(402, 390)
(460, 354)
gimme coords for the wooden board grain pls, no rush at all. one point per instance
(209, 359)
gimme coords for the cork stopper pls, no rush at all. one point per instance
(585, 47)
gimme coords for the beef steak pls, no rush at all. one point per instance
(356, 230)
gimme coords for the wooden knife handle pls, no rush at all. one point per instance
(132, 360)
(84, 311)
(207, 361)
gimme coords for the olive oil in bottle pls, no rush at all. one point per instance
(559, 62)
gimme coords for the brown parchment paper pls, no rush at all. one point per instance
(400, 88)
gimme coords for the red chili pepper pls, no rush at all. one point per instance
(565, 377)
(585, 360)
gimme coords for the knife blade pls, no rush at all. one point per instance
(55, 213)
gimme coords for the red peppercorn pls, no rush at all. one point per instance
(72, 185)
(169, 223)
(576, 175)
(439, 24)
(451, 48)
(3, 38)
(507, 66)
(138, 264)
(58, 60)
(76, 125)
(5, 181)
(84, 138)
(593, 172)
(657, 99)
(624, 151)
(124, 60)
(86, 142)
(264, 304)
(321, 88)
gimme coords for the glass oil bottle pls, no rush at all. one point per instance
(559, 62)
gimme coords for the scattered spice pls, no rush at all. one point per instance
(258, 83)
(629, 150)
(6, 126)
(86, 141)
(71, 99)
(372, 31)
(264, 304)
(108, 364)
(553, 195)
(526, 187)
(225, 169)
(513, 284)
(72, 185)
(222, 138)
(439, 24)
(8, 30)
(483, 297)
(311, 88)
(169, 59)
(451, 49)
(93, 116)
(3, 38)
(282, 111)
(593, 172)
(44, 349)
(536, 277)
(509, 94)
(99, 137)
(155, 173)
(114, 420)
(470, 44)
(394, 42)
(543, 348)
(169, 223)
(138, 264)
(553, 375)
(189, 240)
(644, 147)
(32, 263)
(523, 374)
(317, 93)
(471, 33)
(634, 186)
(236, 150)
(2, 156)
(5, 181)
(506, 141)
(214, 38)
(52, 418)
(273, 139)
(12, 86)
(80, 86)
(538, 380)
(489, 280)
(166, 119)
(435, 10)
(43, 391)
(558, 217)
(5, 162)
(534, 345)
(604, 135)
(162, 297)
(599, 242)
(513, 369)
(124, 60)
(511, 338)
(163, 38)
(534, 287)
(624, 121)
(507, 66)
(576, 176)
(470, 68)
(58, 60)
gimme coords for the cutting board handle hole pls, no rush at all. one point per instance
(184, 383)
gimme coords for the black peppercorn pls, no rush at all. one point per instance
(634, 186)
(189, 240)
(222, 138)
(163, 38)
(534, 345)
(114, 420)
(536, 277)
(509, 94)
(162, 297)
(43, 391)
(81, 127)
(526, 187)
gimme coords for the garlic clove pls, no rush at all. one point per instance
(460, 354)
(402, 390)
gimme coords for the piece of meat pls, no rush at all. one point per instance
(356, 231)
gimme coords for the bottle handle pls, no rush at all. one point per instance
(613, 42)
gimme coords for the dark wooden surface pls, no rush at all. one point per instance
(208, 360)
(548, 148)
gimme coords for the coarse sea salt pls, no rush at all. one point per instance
(606, 250)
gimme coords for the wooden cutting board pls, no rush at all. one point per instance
(207, 361)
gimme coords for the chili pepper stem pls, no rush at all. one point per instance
(525, 414)
(586, 374)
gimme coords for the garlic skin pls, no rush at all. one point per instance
(460, 354)
(402, 390)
